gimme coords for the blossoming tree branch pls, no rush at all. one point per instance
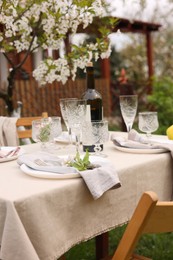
(27, 25)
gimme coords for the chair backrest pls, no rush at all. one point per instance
(24, 125)
(150, 216)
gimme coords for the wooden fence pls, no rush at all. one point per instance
(37, 99)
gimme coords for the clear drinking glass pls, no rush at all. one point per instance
(56, 127)
(128, 107)
(41, 131)
(95, 133)
(64, 115)
(56, 130)
(76, 114)
(148, 122)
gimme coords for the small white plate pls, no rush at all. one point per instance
(142, 151)
(10, 158)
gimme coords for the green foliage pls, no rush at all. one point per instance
(45, 133)
(134, 59)
(162, 101)
(79, 163)
(157, 247)
(83, 251)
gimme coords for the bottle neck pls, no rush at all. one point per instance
(90, 83)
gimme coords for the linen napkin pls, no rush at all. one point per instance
(98, 180)
(135, 140)
(101, 179)
(42, 161)
(6, 153)
(153, 142)
(129, 143)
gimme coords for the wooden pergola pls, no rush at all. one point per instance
(128, 26)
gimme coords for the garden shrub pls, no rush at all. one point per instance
(162, 101)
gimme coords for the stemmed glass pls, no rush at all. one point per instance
(64, 115)
(76, 114)
(128, 106)
(45, 130)
(148, 122)
(56, 130)
(95, 133)
(41, 131)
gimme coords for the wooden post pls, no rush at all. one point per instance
(149, 60)
(106, 73)
(102, 246)
(105, 69)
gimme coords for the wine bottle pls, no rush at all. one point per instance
(94, 100)
(93, 97)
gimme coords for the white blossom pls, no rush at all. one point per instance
(28, 25)
(106, 54)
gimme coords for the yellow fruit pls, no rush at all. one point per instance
(169, 132)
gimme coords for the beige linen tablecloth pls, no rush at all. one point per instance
(42, 219)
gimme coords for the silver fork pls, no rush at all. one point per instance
(40, 162)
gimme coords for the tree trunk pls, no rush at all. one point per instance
(8, 95)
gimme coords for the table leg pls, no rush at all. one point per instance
(102, 246)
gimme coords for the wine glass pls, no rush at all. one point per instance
(64, 116)
(148, 122)
(76, 114)
(128, 106)
(56, 130)
(95, 133)
(41, 131)
(56, 127)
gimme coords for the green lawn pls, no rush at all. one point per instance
(157, 247)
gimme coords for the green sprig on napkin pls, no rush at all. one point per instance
(81, 164)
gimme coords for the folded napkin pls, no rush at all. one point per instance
(98, 180)
(6, 153)
(153, 142)
(101, 179)
(138, 141)
(124, 142)
(47, 162)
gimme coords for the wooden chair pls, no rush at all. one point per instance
(26, 124)
(150, 216)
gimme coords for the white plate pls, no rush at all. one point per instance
(11, 158)
(51, 175)
(136, 150)
(64, 138)
(47, 175)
